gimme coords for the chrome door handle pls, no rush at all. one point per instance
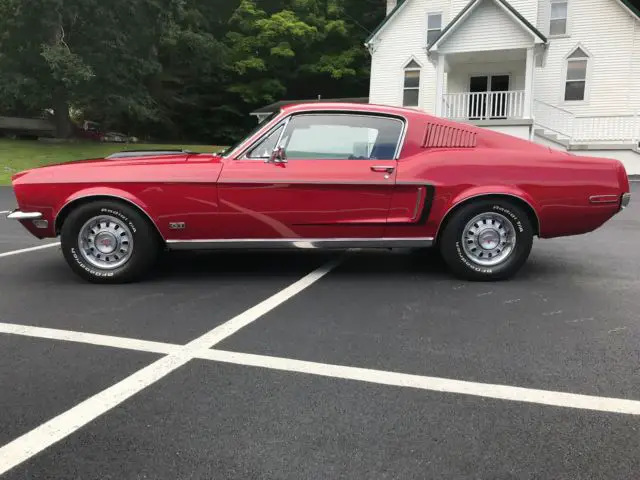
(383, 169)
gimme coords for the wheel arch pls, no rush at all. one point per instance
(526, 205)
(78, 200)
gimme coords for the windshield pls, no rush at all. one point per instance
(249, 134)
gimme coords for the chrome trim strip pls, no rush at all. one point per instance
(626, 199)
(603, 199)
(280, 181)
(18, 215)
(299, 243)
(416, 212)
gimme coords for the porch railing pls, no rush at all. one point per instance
(587, 129)
(484, 105)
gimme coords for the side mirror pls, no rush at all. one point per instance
(278, 156)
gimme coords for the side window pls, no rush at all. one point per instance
(434, 27)
(266, 146)
(341, 137)
(558, 20)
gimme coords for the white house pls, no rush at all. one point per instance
(565, 73)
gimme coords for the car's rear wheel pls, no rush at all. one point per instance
(487, 240)
(109, 242)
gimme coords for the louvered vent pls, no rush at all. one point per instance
(442, 136)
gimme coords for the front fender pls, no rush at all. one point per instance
(109, 192)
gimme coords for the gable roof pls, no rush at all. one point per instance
(627, 4)
(631, 7)
(473, 3)
(392, 14)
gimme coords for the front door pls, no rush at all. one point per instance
(336, 181)
(499, 97)
(488, 96)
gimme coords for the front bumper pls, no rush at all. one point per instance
(626, 199)
(34, 218)
(18, 215)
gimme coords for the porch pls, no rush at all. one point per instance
(486, 85)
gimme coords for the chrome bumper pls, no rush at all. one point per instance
(18, 215)
(626, 198)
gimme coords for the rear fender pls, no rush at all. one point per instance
(490, 191)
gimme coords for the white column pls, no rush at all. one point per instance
(440, 85)
(528, 83)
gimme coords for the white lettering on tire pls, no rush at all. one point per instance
(88, 269)
(512, 215)
(121, 216)
(464, 260)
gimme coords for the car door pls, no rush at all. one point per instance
(334, 179)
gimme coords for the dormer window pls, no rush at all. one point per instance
(558, 22)
(411, 93)
(434, 27)
(576, 79)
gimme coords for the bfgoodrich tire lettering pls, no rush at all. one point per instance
(464, 264)
(145, 243)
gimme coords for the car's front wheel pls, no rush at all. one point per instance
(487, 240)
(109, 242)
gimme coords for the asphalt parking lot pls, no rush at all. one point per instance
(323, 365)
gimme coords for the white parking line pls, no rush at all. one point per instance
(90, 338)
(4, 211)
(200, 349)
(27, 250)
(445, 385)
(59, 427)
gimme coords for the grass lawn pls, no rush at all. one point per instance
(18, 155)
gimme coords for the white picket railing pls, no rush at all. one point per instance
(587, 129)
(619, 128)
(555, 119)
(484, 105)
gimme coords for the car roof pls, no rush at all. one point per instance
(353, 107)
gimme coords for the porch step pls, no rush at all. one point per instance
(553, 137)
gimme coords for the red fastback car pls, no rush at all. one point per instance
(325, 176)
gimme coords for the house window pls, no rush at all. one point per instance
(411, 95)
(434, 27)
(558, 22)
(576, 82)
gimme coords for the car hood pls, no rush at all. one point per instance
(117, 165)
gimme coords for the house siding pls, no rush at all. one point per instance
(402, 39)
(488, 28)
(609, 37)
(544, 15)
(606, 30)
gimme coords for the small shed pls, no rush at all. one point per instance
(263, 112)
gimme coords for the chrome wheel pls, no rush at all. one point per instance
(105, 242)
(489, 239)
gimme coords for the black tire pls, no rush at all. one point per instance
(145, 250)
(464, 266)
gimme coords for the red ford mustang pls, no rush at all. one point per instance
(325, 176)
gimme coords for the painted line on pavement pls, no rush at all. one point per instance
(27, 250)
(200, 350)
(437, 384)
(4, 211)
(90, 338)
(56, 429)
